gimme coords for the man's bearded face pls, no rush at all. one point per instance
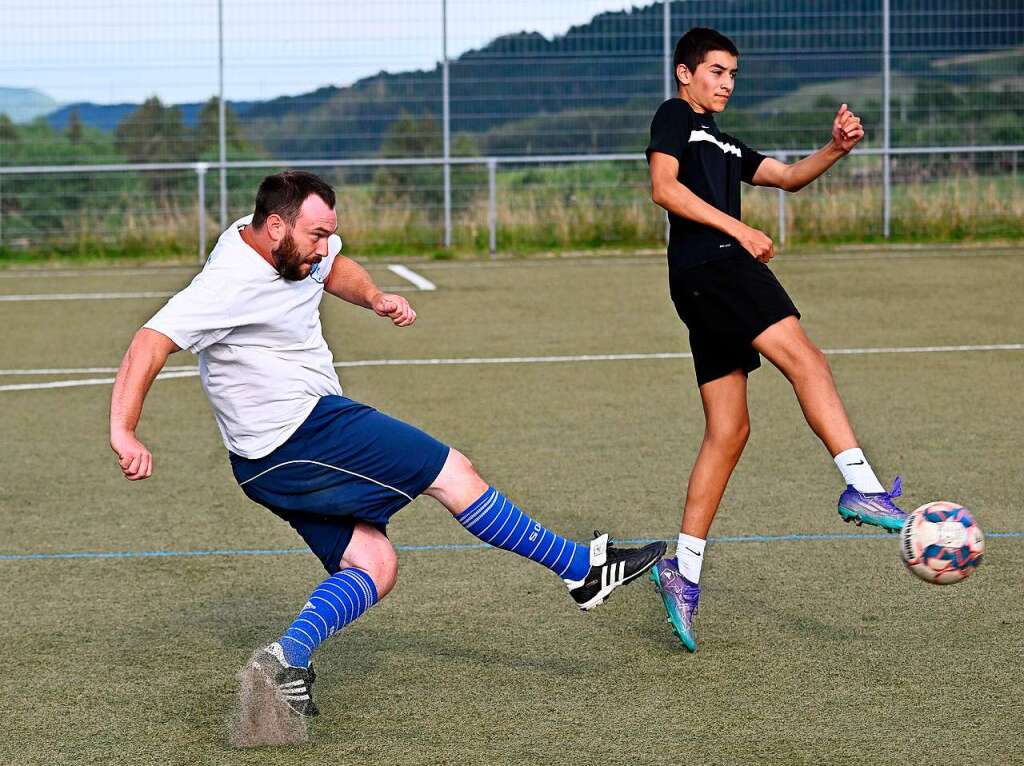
(290, 263)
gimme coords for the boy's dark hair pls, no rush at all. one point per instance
(284, 193)
(698, 43)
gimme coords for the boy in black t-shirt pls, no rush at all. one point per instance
(734, 307)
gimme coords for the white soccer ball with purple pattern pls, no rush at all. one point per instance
(941, 543)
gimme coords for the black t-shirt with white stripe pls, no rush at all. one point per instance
(711, 165)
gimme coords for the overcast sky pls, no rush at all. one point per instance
(109, 51)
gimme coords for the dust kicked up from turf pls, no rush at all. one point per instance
(263, 718)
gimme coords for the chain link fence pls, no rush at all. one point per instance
(145, 127)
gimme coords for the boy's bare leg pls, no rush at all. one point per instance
(864, 500)
(727, 426)
(786, 345)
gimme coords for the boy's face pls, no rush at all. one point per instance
(709, 88)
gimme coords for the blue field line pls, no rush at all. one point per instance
(792, 538)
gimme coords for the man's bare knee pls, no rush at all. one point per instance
(383, 571)
(459, 465)
(458, 484)
(371, 551)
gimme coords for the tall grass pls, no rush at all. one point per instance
(964, 207)
(579, 207)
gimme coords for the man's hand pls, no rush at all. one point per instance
(395, 307)
(755, 242)
(846, 129)
(135, 460)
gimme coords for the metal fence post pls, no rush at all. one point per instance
(492, 206)
(446, 117)
(222, 118)
(666, 55)
(201, 168)
(666, 47)
(670, 76)
(782, 207)
(886, 123)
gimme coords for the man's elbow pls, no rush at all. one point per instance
(793, 186)
(790, 182)
(658, 194)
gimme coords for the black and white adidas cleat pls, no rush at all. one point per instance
(611, 567)
(293, 685)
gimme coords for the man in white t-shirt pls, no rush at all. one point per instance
(335, 469)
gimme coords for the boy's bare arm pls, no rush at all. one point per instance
(669, 193)
(847, 132)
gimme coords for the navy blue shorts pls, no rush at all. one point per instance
(346, 463)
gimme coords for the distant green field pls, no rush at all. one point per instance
(816, 646)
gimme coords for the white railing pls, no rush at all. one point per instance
(491, 163)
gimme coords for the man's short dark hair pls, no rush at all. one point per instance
(698, 43)
(284, 193)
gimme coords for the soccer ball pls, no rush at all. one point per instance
(941, 543)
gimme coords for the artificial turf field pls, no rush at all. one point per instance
(814, 648)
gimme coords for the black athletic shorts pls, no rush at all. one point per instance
(725, 304)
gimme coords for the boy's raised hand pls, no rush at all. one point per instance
(846, 129)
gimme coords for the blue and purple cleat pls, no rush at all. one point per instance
(680, 597)
(876, 508)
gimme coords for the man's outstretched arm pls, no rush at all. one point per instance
(351, 282)
(144, 358)
(846, 134)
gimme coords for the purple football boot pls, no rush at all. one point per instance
(876, 508)
(680, 597)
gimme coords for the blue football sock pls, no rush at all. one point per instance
(335, 603)
(495, 519)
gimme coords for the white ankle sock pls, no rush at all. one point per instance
(857, 471)
(690, 555)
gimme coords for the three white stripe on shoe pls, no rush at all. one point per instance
(613, 576)
(294, 690)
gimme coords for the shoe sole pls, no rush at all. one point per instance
(605, 592)
(673, 616)
(859, 519)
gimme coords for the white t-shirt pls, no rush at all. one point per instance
(263, 361)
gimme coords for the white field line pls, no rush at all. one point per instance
(652, 256)
(88, 382)
(404, 272)
(188, 372)
(115, 296)
(644, 258)
(86, 370)
(147, 272)
(80, 296)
